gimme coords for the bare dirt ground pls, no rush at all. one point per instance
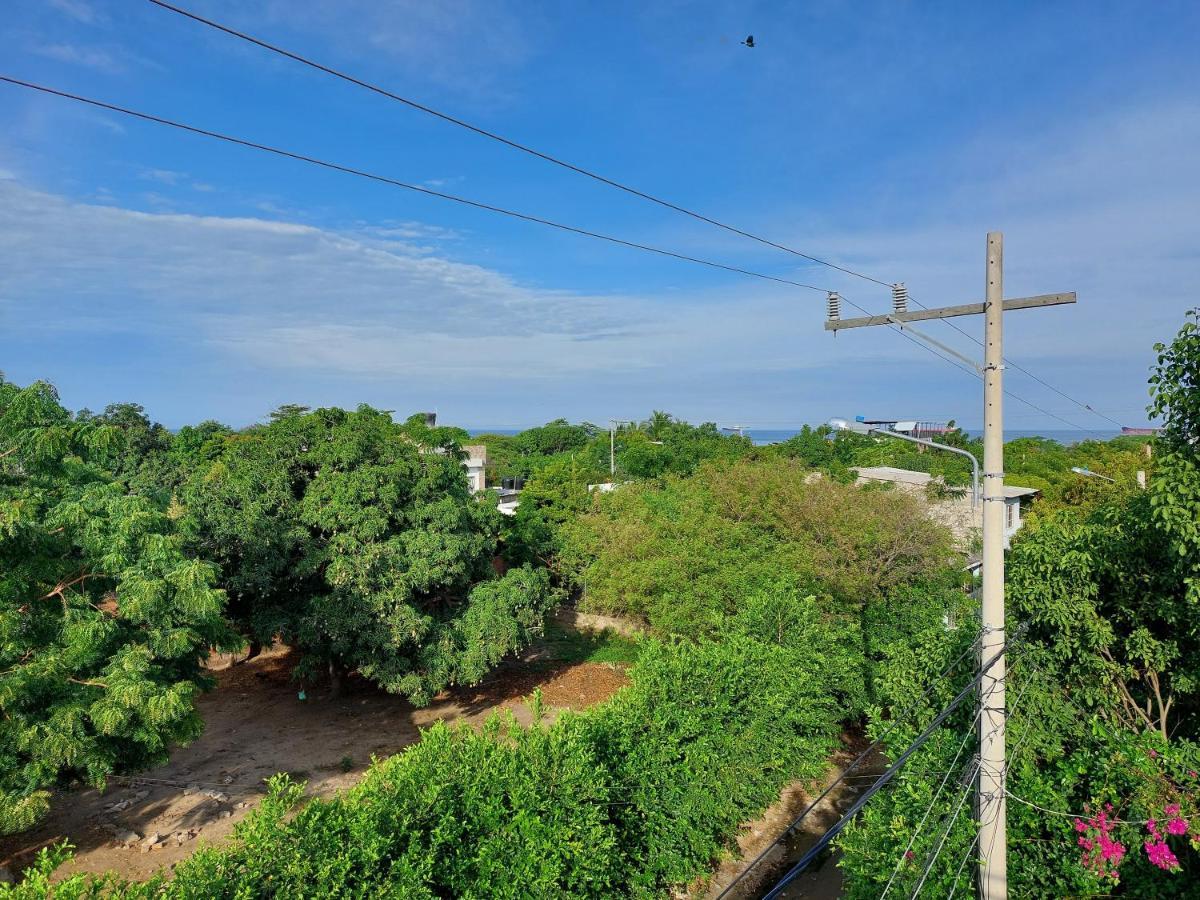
(823, 879)
(255, 726)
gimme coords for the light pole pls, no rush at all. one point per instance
(612, 444)
(860, 428)
(1080, 470)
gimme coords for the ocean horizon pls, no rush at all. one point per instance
(766, 436)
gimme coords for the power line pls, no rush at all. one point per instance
(1085, 406)
(836, 829)
(937, 850)
(962, 864)
(383, 179)
(580, 170)
(874, 746)
(1085, 816)
(976, 766)
(476, 204)
(967, 734)
(524, 148)
(973, 374)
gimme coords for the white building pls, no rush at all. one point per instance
(955, 512)
(476, 465)
(507, 501)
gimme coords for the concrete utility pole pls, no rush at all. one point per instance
(612, 444)
(993, 807)
(993, 835)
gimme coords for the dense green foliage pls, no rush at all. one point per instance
(681, 554)
(1175, 492)
(348, 535)
(1104, 692)
(343, 534)
(658, 446)
(104, 622)
(623, 801)
(1063, 756)
(788, 603)
(693, 555)
(554, 496)
(1039, 463)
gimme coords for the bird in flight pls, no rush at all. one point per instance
(749, 41)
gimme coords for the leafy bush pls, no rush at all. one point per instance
(684, 555)
(348, 537)
(625, 800)
(1105, 684)
(104, 622)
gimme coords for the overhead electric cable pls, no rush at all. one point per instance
(962, 864)
(524, 148)
(1084, 816)
(441, 195)
(874, 746)
(976, 375)
(904, 854)
(1084, 406)
(383, 179)
(579, 170)
(937, 850)
(834, 830)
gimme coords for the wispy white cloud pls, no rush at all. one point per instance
(88, 57)
(79, 10)
(1108, 211)
(163, 176)
(224, 278)
(438, 183)
(294, 297)
(466, 45)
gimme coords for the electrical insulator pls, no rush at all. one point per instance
(835, 306)
(899, 298)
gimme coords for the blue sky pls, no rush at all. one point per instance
(202, 280)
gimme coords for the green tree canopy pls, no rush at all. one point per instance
(104, 622)
(347, 536)
(1104, 689)
(734, 547)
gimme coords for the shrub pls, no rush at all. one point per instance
(104, 622)
(624, 800)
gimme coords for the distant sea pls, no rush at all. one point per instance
(764, 436)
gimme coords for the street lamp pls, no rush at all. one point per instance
(863, 428)
(1080, 470)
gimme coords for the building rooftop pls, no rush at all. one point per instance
(920, 479)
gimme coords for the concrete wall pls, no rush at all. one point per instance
(965, 523)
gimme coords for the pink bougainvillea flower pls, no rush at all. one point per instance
(1160, 855)
(1101, 853)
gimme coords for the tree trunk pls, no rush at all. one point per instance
(337, 673)
(255, 649)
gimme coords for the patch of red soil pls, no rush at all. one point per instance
(256, 726)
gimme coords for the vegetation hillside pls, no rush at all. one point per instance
(784, 608)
